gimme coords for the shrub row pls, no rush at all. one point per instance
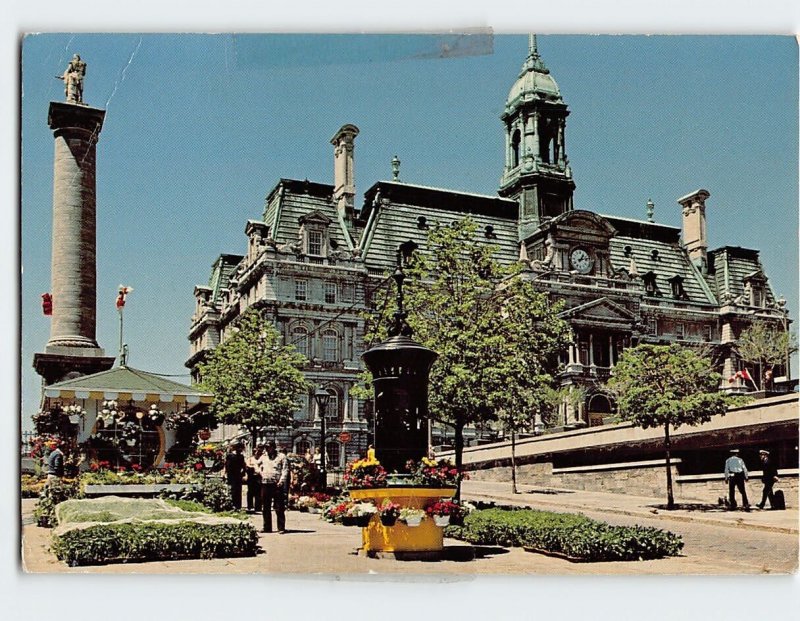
(154, 541)
(572, 535)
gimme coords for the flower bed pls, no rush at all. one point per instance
(114, 529)
(573, 536)
(103, 474)
(31, 486)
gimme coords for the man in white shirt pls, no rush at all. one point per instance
(274, 469)
(735, 476)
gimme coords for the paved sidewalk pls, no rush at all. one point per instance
(315, 547)
(637, 506)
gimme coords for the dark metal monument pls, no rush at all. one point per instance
(400, 368)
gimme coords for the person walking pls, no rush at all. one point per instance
(769, 476)
(55, 463)
(234, 473)
(253, 481)
(735, 477)
(274, 471)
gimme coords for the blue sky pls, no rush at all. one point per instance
(199, 128)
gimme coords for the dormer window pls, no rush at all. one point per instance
(650, 286)
(678, 292)
(755, 290)
(314, 233)
(315, 243)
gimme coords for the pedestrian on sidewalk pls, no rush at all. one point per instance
(253, 481)
(769, 476)
(735, 477)
(55, 463)
(274, 472)
(234, 473)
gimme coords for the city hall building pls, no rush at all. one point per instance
(317, 260)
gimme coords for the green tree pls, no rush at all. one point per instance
(256, 380)
(666, 386)
(496, 336)
(765, 345)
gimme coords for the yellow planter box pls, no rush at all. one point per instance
(427, 537)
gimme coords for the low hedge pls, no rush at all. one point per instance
(154, 541)
(571, 535)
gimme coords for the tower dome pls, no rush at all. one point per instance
(537, 173)
(534, 81)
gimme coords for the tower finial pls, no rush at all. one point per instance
(532, 48)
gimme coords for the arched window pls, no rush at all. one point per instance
(300, 340)
(334, 454)
(330, 346)
(301, 446)
(515, 140)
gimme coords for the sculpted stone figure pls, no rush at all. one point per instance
(73, 80)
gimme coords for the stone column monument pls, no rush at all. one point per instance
(72, 349)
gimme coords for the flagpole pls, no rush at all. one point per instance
(121, 355)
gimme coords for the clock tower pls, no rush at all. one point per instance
(537, 173)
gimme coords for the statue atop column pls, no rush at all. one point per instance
(73, 80)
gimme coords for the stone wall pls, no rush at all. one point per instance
(643, 479)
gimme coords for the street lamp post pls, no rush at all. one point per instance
(322, 397)
(785, 321)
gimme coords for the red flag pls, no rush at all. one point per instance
(123, 293)
(745, 375)
(47, 304)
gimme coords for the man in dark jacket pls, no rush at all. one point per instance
(769, 476)
(234, 473)
(55, 463)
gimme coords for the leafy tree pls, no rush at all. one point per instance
(765, 346)
(255, 379)
(496, 336)
(666, 386)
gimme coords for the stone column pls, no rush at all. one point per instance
(74, 265)
(72, 349)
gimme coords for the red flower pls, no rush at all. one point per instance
(198, 466)
(94, 467)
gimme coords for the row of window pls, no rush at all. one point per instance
(333, 292)
(330, 343)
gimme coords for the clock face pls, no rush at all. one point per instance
(581, 261)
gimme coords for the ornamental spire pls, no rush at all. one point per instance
(534, 61)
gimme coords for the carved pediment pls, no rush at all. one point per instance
(315, 217)
(602, 310)
(579, 223)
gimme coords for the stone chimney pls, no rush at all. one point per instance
(695, 239)
(344, 179)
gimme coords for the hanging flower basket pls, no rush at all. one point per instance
(388, 520)
(441, 520)
(363, 520)
(204, 434)
(412, 517)
(349, 520)
(209, 463)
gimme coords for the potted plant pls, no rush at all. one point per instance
(360, 514)
(434, 473)
(335, 509)
(411, 517)
(365, 474)
(390, 511)
(442, 511)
